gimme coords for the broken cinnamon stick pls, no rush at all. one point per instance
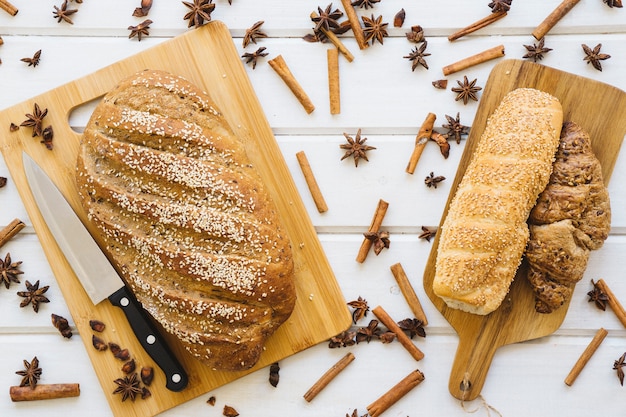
(44, 392)
(316, 193)
(409, 293)
(553, 18)
(329, 376)
(280, 66)
(355, 24)
(422, 138)
(334, 96)
(394, 394)
(585, 356)
(479, 24)
(8, 7)
(377, 221)
(614, 303)
(404, 340)
(479, 58)
(11, 230)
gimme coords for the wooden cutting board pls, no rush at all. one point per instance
(207, 57)
(601, 110)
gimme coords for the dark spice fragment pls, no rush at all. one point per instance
(97, 325)
(211, 400)
(62, 325)
(147, 375)
(379, 239)
(31, 373)
(98, 343)
(34, 61)
(441, 84)
(398, 19)
(274, 374)
(33, 295)
(143, 9)
(3, 181)
(343, 339)
(387, 337)
(366, 334)
(47, 134)
(360, 309)
(431, 180)
(412, 327)
(129, 367)
(229, 411)
(13, 127)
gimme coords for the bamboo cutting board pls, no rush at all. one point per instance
(601, 110)
(207, 57)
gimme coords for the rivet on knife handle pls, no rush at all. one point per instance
(150, 339)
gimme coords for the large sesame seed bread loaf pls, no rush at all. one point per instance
(186, 218)
(483, 236)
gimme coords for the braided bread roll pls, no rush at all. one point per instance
(186, 218)
(483, 236)
(572, 217)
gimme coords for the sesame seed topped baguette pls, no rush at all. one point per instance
(186, 218)
(484, 234)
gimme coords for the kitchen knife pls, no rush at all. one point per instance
(96, 274)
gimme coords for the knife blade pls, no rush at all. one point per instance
(94, 271)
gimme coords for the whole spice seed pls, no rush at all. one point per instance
(147, 375)
(356, 148)
(211, 400)
(97, 325)
(47, 134)
(13, 127)
(398, 19)
(129, 366)
(253, 33)
(199, 12)
(145, 393)
(140, 30)
(34, 61)
(143, 10)
(274, 374)
(31, 373)
(62, 325)
(63, 13)
(229, 411)
(33, 295)
(441, 84)
(98, 343)
(593, 56)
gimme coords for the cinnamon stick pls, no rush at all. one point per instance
(479, 58)
(328, 376)
(280, 66)
(585, 356)
(479, 24)
(334, 95)
(44, 392)
(335, 41)
(316, 193)
(377, 221)
(404, 340)
(614, 303)
(423, 136)
(409, 293)
(11, 230)
(355, 24)
(8, 7)
(394, 394)
(553, 18)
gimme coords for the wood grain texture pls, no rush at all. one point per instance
(599, 109)
(206, 57)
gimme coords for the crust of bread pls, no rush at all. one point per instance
(483, 236)
(186, 218)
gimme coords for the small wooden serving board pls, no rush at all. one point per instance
(600, 109)
(207, 57)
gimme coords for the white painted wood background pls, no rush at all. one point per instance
(383, 97)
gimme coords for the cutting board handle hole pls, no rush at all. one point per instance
(79, 115)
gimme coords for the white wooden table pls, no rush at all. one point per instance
(383, 97)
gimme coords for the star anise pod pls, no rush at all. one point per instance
(140, 30)
(31, 373)
(375, 29)
(380, 240)
(356, 148)
(618, 365)
(35, 120)
(63, 13)
(252, 57)
(199, 12)
(599, 297)
(431, 180)
(466, 90)
(455, 128)
(34, 61)
(33, 295)
(128, 386)
(417, 56)
(416, 34)
(9, 271)
(536, 51)
(500, 5)
(593, 56)
(326, 19)
(412, 327)
(360, 309)
(253, 33)
(366, 334)
(613, 3)
(365, 3)
(427, 233)
(343, 339)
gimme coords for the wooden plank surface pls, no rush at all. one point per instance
(320, 311)
(599, 109)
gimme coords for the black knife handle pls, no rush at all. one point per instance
(151, 340)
